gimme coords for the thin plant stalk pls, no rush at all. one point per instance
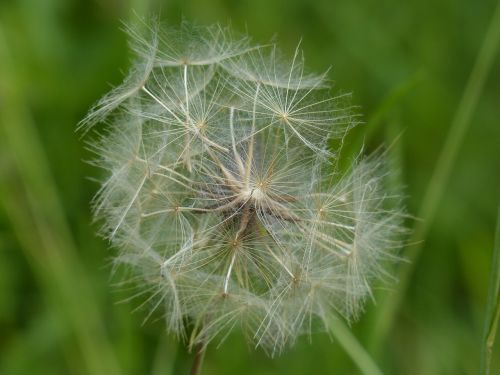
(360, 357)
(492, 306)
(50, 247)
(440, 177)
(199, 357)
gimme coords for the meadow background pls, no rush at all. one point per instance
(426, 77)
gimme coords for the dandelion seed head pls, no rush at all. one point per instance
(222, 195)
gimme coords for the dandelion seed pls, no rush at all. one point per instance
(223, 197)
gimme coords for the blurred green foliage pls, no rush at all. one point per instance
(407, 64)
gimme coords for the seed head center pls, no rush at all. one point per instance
(255, 194)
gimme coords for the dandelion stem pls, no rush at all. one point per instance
(199, 356)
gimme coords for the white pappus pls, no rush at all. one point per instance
(223, 196)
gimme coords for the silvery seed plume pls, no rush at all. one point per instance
(223, 197)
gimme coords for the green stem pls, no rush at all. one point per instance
(440, 177)
(492, 306)
(39, 221)
(199, 356)
(353, 348)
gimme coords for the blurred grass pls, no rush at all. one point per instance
(492, 307)
(38, 220)
(442, 171)
(343, 335)
(407, 63)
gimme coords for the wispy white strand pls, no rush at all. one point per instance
(219, 196)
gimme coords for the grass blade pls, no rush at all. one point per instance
(492, 306)
(31, 201)
(440, 176)
(353, 348)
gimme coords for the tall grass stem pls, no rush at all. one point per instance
(440, 177)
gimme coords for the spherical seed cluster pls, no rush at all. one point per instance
(223, 196)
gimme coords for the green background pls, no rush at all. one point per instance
(407, 64)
